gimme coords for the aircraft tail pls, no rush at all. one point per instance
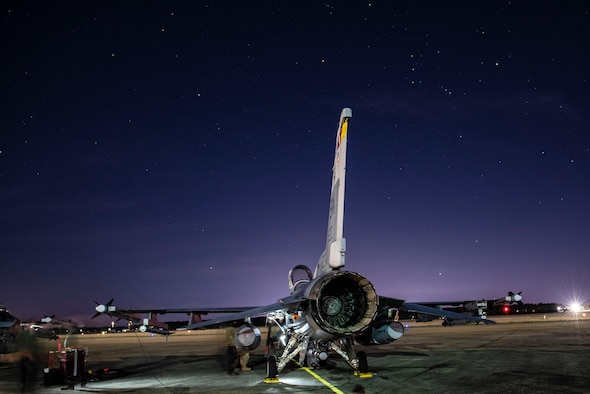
(332, 257)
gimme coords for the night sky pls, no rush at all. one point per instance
(179, 154)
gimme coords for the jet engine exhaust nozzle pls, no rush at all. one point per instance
(341, 302)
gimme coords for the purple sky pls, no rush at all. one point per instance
(179, 154)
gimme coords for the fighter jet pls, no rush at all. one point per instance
(328, 309)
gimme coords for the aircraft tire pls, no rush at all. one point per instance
(271, 367)
(363, 364)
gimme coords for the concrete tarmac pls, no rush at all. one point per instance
(530, 354)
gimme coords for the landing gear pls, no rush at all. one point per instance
(363, 364)
(271, 370)
(271, 367)
(288, 344)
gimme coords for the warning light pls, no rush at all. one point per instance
(506, 309)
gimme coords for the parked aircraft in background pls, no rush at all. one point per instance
(51, 328)
(505, 303)
(9, 327)
(327, 309)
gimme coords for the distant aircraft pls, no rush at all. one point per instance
(509, 299)
(9, 328)
(50, 327)
(328, 309)
(505, 303)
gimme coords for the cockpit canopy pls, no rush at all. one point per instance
(299, 275)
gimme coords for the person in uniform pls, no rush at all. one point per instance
(29, 359)
(231, 354)
(236, 356)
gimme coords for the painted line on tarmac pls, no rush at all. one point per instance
(323, 381)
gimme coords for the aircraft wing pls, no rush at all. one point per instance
(130, 314)
(511, 297)
(200, 311)
(282, 304)
(230, 313)
(235, 316)
(443, 313)
(421, 308)
(151, 323)
(437, 304)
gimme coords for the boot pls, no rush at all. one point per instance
(244, 362)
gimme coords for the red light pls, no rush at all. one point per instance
(506, 309)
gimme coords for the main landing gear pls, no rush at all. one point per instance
(343, 347)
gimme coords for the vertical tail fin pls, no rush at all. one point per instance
(332, 257)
